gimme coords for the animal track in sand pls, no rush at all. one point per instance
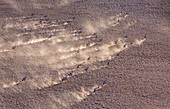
(40, 42)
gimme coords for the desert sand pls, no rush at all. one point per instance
(84, 54)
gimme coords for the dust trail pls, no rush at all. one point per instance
(61, 46)
(33, 41)
(68, 37)
(130, 24)
(23, 25)
(102, 24)
(106, 52)
(10, 84)
(86, 57)
(60, 50)
(93, 51)
(5, 50)
(66, 99)
(65, 2)
(138, 41)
